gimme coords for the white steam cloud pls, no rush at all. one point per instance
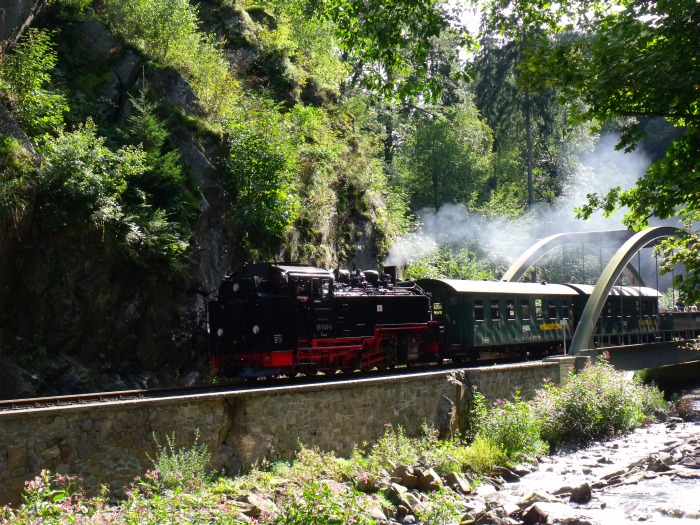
(598, 172)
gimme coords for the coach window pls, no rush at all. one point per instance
(525, 309)
(495, 310)
(552, 309)
(566, 309)
(478, 310)
(510, 309)
(539, 314)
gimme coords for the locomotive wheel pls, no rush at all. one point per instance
(309, 370)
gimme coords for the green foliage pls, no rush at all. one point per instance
(83, 180)
(310, 464)
(443, 507)
(167, 31)
(449, 263)
(515, 428)
(483, 455)
(316, 502)
(25, 78)
(261, 179)
(17, 176)
(164, 180)
(147, 236)
(52, 498)
(176, 466)
(597, 402)
(477, 410)
(74, 9)
(612, 63)
(392, 449)
(299, 47)
(446, 159)
(529, 127)
(374, 37)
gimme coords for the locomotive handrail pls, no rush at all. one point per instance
(583, 337)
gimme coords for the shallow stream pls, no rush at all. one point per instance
(651, 475)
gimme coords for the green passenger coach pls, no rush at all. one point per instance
(502, 317)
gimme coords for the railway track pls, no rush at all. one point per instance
(10, 405)
(107, 397)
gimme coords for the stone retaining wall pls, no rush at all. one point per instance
(111, 443)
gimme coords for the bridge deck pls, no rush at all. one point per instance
(649, 355)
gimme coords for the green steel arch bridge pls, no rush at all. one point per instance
(628, 244)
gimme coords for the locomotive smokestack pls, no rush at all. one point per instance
(391, 271)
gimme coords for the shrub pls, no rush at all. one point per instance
(392, 449)
(476, 413)
(483, 455)
(514, 428)
(24, 80)
(51, 498)
(317, 502)
(17, 176)
(597, 402)
(176, 466)
(312, 463)
(167, 31)
(83, 180)
(261, 178)
(443, 507)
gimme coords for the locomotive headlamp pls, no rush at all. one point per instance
(236, 287)
(220, 332)
(256, 329)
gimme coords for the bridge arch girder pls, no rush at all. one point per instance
(543, 246)
(583, 337)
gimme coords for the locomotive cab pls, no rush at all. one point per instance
(259, 314)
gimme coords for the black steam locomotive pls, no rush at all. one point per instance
(271, 319)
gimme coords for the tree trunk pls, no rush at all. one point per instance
(528, 137)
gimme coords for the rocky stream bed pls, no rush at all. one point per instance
(651, 475)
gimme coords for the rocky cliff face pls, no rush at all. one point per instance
(74, 317)
(79, 313)
(13, 13)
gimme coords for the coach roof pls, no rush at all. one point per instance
(497, 287)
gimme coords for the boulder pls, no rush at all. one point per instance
(255, 505)
(581, 494)
(537, 497)
(405, 476)
(534, 515)
(427, 480)
(506, 474)
(458, 482)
